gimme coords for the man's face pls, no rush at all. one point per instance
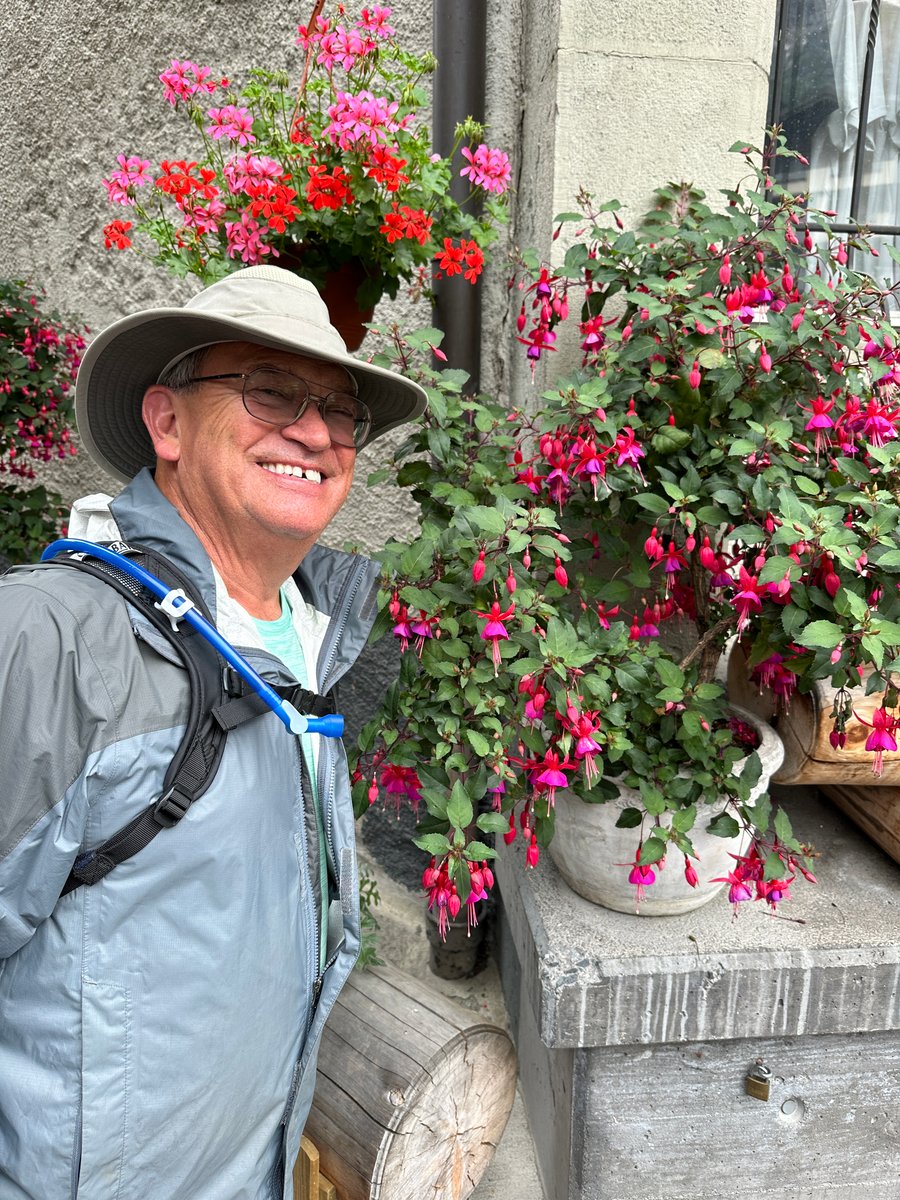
(229, 472)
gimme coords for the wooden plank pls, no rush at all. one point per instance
(306, 1171)
(876, 810)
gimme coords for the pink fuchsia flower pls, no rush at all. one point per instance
(403, 629)
(738, 889)
(494, 630)
(747, 599)
(583, 726)
(487, 168)
(423, 627)
(883, 725)
(819, 422)
(232, 123)
(549, 774)
(642, 876)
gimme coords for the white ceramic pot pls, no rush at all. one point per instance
(588, 849)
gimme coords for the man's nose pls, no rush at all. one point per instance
(309, 428)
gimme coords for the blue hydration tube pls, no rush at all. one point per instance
(178, 607)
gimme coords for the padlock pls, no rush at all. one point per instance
(758, 1081)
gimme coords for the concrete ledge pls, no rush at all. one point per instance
(827, 963)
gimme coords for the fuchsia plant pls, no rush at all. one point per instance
(724, 462)
(336, 164)
(40, 351)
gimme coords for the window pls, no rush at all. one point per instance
(835, 90)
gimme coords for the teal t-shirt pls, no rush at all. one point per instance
(280, 639)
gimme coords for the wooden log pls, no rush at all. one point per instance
(876, 810)
(412, 1091)
(809, 756)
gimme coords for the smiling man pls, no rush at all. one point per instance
(159, 1026)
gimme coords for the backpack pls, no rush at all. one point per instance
(225, 691)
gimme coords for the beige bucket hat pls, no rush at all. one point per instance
(265, 305)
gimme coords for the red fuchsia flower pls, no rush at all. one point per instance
(232, 123)
(604, 613)
(594, 339)
(642, 876)
(487, 168)
(649, 627)
(819, 422)
(401, 783)
(328, 189)
(583, 726)
(881, 738)
(774, 673)
(549, 774)
(495, 630)
(773, 891)
(673, 560)
(879, 422)
(747, 598)
(116, 234)
(738, 889)
(424, 627)
(628, 450)
(403, 629)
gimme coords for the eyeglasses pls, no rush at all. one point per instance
(280, 398)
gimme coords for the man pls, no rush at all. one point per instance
(158, 1030)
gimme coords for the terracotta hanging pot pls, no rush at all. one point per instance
(339, 293)
(589, 849)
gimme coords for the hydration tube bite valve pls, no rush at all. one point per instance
(178, 607)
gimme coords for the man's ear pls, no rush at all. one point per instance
(161, 419)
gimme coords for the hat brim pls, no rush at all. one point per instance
(127, 357)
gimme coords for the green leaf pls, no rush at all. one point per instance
(669, 439)
(724, 826)
(651, 503)
(629, 818)
(433, 843)
(476, 851)
(652, 851)
(820, 635)
(459, 809)
(478, 742)
(492, 822)
(782, 825)
(773, 867)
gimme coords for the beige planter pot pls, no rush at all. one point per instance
(588, 849)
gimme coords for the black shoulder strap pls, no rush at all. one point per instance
(197, 758)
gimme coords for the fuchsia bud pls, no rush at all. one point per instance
(765, 361)
(694, 377)
(841, 254)
(521, 320)
(372, 792)
(478, 568)
(559, 574)
(689, 873)
(689, 543)
(838, 739)
(725, 271)
(510, 581)
(797, 320)
(626, 332)
(652, 548)
(707, 556)
(532, 854)
(526, 560)
(453, 904)
(510, 836)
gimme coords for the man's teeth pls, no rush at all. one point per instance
(297, 472)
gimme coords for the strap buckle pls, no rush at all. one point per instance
(170, 808)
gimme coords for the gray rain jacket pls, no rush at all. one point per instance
(157, 1031)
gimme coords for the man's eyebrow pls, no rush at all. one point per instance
(349, 380)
